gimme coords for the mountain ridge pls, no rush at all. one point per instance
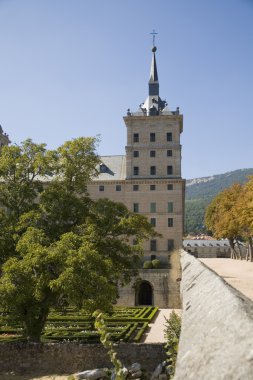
(200, 192)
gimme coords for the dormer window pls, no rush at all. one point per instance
(103, 168)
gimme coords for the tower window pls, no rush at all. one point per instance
(152, 187)
(136, 137)
(152, 153)
(169, 170)
(135, 187)
(136, 207)
(170, 206)
(153, 222)
(118, 187)
(170, 244)
(152, 207)
(101, 188)
(152, 170)
(136, 153)
(169, 153)
(152, 245)
(169, 136)
(170, 222)
(136, 170)
(152, 137)
(170, 186)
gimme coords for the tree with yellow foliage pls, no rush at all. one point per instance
(222, 217)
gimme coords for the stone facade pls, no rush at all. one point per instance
(4, 138)
(148, 181)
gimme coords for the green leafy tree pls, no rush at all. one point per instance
(64, 245)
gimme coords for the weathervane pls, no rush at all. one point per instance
(153, 34)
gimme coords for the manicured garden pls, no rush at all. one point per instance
(127, 324)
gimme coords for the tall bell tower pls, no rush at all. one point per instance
(153, 167)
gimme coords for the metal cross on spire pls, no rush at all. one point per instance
(153, 34)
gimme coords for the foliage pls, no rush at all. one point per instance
(147, 264)
(201, 191)
(221, 216)
(156, 263)
(107, 343)
(230, 216)
(124, 324)
(172, 334)
(54, 236)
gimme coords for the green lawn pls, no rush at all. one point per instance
(126, 324)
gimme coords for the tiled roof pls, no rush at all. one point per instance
(205, 243)
(112, 169)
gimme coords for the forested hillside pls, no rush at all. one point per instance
(200, 192)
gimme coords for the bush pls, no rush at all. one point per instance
(172, 333)
(156, 263)
(147, 265)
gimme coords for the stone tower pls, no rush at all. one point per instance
(148, 181)
(4, 138)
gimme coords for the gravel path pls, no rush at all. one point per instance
(156, 331)
(237, 273)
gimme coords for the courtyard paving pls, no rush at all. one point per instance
(156, 331)
(237, 273)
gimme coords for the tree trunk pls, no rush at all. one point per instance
(233, 254)
(239, 249)
(34, 322)
(250, 249)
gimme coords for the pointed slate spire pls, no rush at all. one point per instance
(153, 70)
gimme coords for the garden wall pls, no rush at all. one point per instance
(216, 341)
(68, 358)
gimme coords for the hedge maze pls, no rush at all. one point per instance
(127, 324)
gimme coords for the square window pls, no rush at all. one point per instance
(170, 186)
(169, 153)
(136, 153)
(152, 207)
(170, 222)
(136, 207)
(170, 206)
(152, 137)
(136, 170)
(153, 221)
(118, 187)
(169, 136)
(152, 153)
(169, 170)
(136, 137)
(152, 170)
(101, 188)
(152, 245)
(135, 187)
(170, 244)
(152, 187)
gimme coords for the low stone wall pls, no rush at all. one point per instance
(67, 358)
(216, 341)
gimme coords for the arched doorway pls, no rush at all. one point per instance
(144, 294)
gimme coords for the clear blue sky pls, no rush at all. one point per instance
(71, 68)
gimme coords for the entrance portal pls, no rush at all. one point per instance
(144, 295)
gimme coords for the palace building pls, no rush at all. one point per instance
(4, 138)
(147, 179)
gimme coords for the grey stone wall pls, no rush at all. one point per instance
(216, 340)
(67, 358)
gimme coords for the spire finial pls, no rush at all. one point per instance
(154, 34)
